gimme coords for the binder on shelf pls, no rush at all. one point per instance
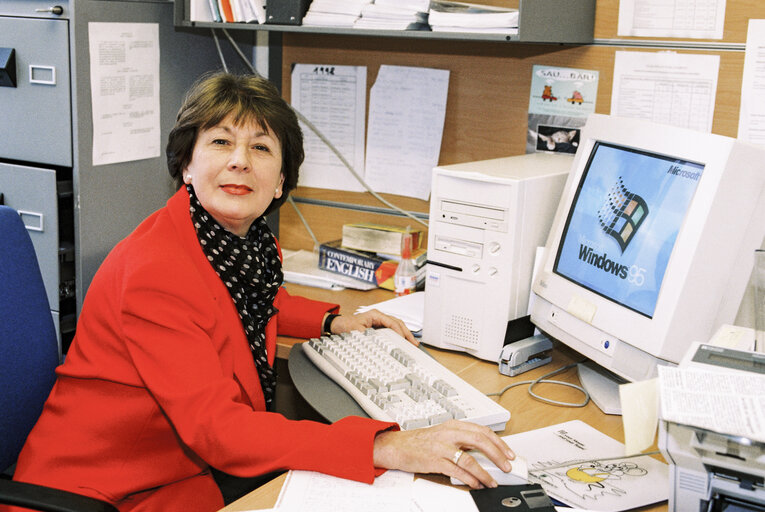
(286, 12)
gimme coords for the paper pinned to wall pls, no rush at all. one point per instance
(751, 119)
(666, 87)
(333, 98)
(407, 107)
(124, 85)
(689, 19)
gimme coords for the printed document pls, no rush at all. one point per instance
(124, 84)
(308, 490)
(666, 87)
(582, 467)
(332, 98)
(751, 119)
(407, 107)
(724, 402)
(689, 19)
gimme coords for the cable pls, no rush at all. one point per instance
(217, 47)
(305, 223)
(326, 141)
(544, 379)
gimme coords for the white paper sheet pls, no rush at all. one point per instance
(407, 107)
(666, 87)
(333, 98)
(582, 467)
(640, 414)
(410, 309)
(724, 402)
(308, 490)
(124, 84)
(751, 119)
(689, 19)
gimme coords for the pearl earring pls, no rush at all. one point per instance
(187, 179)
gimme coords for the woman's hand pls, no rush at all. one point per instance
(433, 450)
(371, 318)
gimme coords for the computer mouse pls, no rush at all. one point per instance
(517, 476)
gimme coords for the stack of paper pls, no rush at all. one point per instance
(447, 16)
(334, 13)
(394, 15)
(410, 309)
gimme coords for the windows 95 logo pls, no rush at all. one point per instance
(622, 214)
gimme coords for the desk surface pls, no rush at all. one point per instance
(526, 413)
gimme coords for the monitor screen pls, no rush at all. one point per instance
(627, 211)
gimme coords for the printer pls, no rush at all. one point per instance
(714, 471)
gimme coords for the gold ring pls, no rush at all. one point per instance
(457, 456)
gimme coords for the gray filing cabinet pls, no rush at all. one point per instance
(75, 211)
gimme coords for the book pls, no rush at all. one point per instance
(364, 266)
(225, 9)
(378, 238)
(419, 257)
(302, 267)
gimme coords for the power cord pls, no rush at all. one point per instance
(545, 379)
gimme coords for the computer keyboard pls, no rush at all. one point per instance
(392, 380)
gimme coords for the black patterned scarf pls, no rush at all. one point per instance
(250, 268)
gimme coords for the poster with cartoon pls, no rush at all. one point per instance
(584, 468)
(559, 102)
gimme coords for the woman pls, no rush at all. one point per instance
(170, 373)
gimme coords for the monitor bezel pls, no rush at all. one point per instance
(648, 334)
(596, 145)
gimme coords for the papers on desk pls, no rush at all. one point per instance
(582, 467)
(393, 491)
(410, 309)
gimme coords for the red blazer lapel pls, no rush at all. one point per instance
(233, 345)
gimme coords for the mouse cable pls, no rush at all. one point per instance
(326, 141)
(545, 379)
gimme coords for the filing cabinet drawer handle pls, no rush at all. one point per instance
(36, 70)
(28, 217)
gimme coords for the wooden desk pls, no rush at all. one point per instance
(526, 413)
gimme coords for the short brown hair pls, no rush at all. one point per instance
(249, 98)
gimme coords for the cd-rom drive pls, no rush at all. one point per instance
(486, 220)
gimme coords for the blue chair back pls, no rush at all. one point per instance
(28, 343)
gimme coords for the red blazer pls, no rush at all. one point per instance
(159, 384)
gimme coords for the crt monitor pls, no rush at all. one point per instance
(652, 245)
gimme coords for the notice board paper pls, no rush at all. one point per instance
(332, 98)
(124, 85)
(666, 87)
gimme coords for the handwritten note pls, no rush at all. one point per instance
(407, 107)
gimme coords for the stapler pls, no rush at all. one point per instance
(523, 355)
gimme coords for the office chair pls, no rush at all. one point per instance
(28, 358)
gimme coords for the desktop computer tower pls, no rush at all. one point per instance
(487, 219)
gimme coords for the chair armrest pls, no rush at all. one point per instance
(48, 499)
